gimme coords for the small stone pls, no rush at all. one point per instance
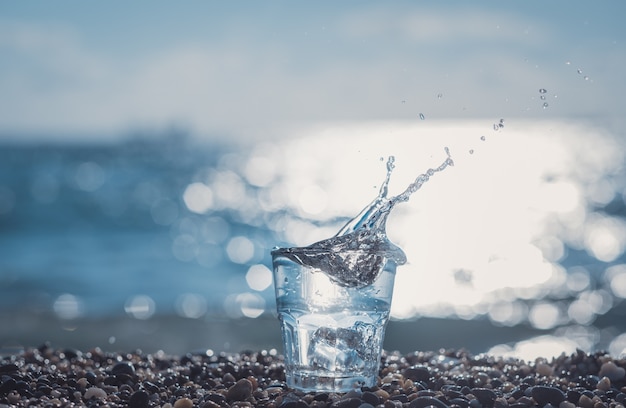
(8, 368)
(382, 394)
(612, 371)
(95, 392)
(544, 369)
(241, 391)
(585, 402)
(183, 403)
(567, 404)
(370, 398)
(500, 403)
(417, 373)
(423, 402)
(485, 396)
(139, 399)
(604, 384)
(547, 395)
(123, 368)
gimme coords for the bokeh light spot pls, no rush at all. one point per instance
(198, 198)
(68, 307)
(240, 250)
(140, 307)
(259, 277)
(191, 305)
(544, 315)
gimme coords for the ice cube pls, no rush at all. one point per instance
(335, 349)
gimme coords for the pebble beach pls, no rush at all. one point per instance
(51, 377)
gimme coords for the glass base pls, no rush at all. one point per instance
(316, 381)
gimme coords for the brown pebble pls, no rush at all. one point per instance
(604, 384)
(585, 402)
(544, 369)
(567, 404)
(599, 404)
(183, 403)
(382, 394)
(500, 403)
(241, 391)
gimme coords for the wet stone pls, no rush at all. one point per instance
(547, 395)
(123, 368)
(370, 398)
(423, 402)
(8, 368)
(485, 396)
(417, 373)
(241, 391)
(183, 403)
(612, 371)
(139, 399)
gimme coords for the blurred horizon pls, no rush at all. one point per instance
(151, 156)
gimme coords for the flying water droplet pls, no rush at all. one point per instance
(580, 71)
(543, 90)
(439, 95)
(422, 117)
(471, 151)
(545, 105)
(542, 97)
(586, 78)
(483, 138)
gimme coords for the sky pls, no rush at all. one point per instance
(76, 69)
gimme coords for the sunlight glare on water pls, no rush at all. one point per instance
(489, 231)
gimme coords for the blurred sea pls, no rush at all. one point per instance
(163, 241)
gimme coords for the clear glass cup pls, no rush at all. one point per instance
(332, 334)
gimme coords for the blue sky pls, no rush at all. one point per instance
(249, 69)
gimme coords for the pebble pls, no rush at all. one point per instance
(183, 403)
(58, 378)
(547, 395)
(612, 371)
(95, 392)
(241, 391)
(139, 399)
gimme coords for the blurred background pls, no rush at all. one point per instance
(152, 155)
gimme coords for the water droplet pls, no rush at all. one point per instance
(403, 101)
(496, 127)
(580, 71)
(542, 97)
(586, 78)
(483, 138)
(439, 95)
(422, 117)
(545, 105)
(471, 151)
(567, 62)
(543, 90)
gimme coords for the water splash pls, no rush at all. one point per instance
(357, 254)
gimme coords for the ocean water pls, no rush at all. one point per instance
(525, 235)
